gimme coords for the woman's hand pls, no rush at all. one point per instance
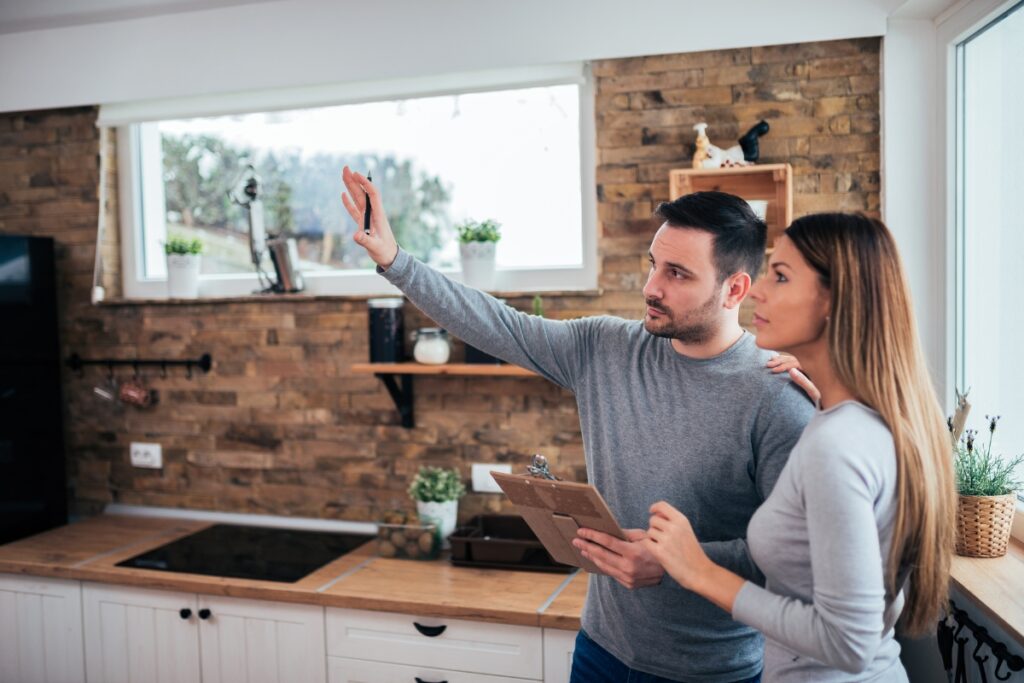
(380, 244)
(783, 362)
(671, 540)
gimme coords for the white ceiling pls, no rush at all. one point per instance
(32, 15)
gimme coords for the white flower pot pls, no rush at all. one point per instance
(477, 264)
(442, 514)
(183, 276)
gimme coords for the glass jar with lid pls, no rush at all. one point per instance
(432, 347)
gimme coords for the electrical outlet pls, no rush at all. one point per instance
(146, 455)
(483, 482)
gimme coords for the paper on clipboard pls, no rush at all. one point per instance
(555, 510)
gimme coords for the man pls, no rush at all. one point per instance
(677, 407)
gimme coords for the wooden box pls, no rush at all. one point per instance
(771, 182)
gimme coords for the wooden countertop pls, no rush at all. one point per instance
(90, 550)
(995, 586)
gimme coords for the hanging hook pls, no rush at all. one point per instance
(1012, 662)
(110, 372)
(188, 369)
(135, 369)
(981, 636)
(999, 667)
(163, 369)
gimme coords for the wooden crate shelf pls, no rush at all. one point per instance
(770, 182)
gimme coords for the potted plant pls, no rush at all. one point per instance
(988, 494)
(437, 491)
(477, 242)
(183, 259)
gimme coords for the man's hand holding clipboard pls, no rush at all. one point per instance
(576, 526)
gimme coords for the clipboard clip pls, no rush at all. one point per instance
(538, 468)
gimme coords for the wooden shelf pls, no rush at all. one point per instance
(771, 182)
(453, 369)
(397, 378)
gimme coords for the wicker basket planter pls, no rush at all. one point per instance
(983, 525)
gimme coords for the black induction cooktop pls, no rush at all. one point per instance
(249, 552)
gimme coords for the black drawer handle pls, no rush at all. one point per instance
(420, 680)
(185, 613)
(205, 613)
(430, 631)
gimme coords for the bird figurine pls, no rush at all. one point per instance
(744, 153)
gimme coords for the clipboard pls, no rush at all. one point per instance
(555, 510)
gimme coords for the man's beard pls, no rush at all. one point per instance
(697, 327)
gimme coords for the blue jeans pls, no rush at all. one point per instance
(591, 663)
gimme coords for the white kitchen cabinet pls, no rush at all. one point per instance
(40, 630)
(260, 642)
(558, 648)
(341, 670)
(446, 645)
(137, 635)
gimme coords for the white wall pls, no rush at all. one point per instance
(917, 166)
(286, 43)
(912, 202)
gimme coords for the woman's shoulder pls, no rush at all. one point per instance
(849, 440)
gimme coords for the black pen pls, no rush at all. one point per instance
(366, 214)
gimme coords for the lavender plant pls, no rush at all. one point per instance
(979, 472)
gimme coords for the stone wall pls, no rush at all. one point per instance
(281, 425)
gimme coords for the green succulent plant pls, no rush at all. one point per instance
(436, 485)
(177, 244)
(488, 230)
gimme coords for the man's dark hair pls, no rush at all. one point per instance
(739, 235)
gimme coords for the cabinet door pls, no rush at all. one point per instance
(261, 642)
(558, 648)
(135, 635)
(40, 630)
(443, 644)
(343, 670)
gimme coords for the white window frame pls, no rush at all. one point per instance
(952, 28)
(137, 181)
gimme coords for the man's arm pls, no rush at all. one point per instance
(555, 349)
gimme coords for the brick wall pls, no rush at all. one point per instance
(281, 425)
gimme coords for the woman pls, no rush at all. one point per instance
(860, 526)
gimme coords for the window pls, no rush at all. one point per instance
(516, 148)
(990, 225)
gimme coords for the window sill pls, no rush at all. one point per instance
(996, 585)
(293, 298)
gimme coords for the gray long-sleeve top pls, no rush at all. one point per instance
(709, 436)
(822, 540)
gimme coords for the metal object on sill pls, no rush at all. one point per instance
(539, 468)
(283, 252)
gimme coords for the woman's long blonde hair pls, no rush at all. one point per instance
(874, 348)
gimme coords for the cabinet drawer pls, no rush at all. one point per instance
(445, 644)
(341, 670)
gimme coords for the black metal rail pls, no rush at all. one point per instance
(204, 363)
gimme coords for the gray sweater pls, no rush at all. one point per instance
(709, 436)
(822, 540)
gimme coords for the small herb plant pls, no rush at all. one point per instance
(183, 245)
(978, 471)
(485, 231)
(436, 485)
(538, 306)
